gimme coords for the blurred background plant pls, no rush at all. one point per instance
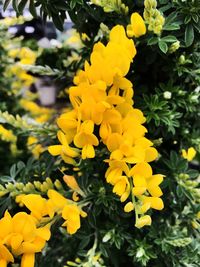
(166, 78)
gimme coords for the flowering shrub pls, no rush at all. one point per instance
(76, 201)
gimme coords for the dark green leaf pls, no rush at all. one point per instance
(15, 6)
(13, 171)
(171, 27)
(152, 41)
(169, 39)
(22, 5)
(32, 8)
(179, 191)
(84, 242)
(58, 22)
(61, 6)
(195, 18)
(163, 46)
(189, 35)
(170, 19)
(6, 4)
(187, 19)
(73, 4)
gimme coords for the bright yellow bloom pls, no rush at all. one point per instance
(189, 154)
(71, 215)
(67, 153)
(38, 206)
(129, 207)
(137, 26)
(58, 201)
(85, 139)
(121, 186)
(22, 236)
(5, 256)
(71, 182)
(142, 221)
(155, 202)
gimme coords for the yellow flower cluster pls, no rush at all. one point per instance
(103, 112)
(25, 56)
(153, 17)
(8, 136)
(10, 21)
(35, 148)
(40, 114)
(44, 210)
(20, 236)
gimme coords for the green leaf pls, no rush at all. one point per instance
(163, 46)
(22, 5)
(152, 41)
(195, 18)
(187, 19)
(20, 165)
(58, 22)
(171, 18)
(6, 4)
(73, 4)
(5, 179)
(32, 9)
(84, 242)
(171, 27)
(15, 6)
(169, 39)
(13, 171)
(61, 6)
(189, 35)
(179, 191)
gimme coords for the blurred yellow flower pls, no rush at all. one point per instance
(189, 154)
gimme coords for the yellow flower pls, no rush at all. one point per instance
(121, 186)
(155, 202)
(68, 123)
(27, 56)
(40, 114)
(137, 26)
(71, 182)
(129, 207)
(36, 149)
(5, 256)
(21, 235)
(38, 206)
(71, 214)
(142, 221)
(7, 135)
(85, 139)
(57, 200)
(67, 153)
(189, 154)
